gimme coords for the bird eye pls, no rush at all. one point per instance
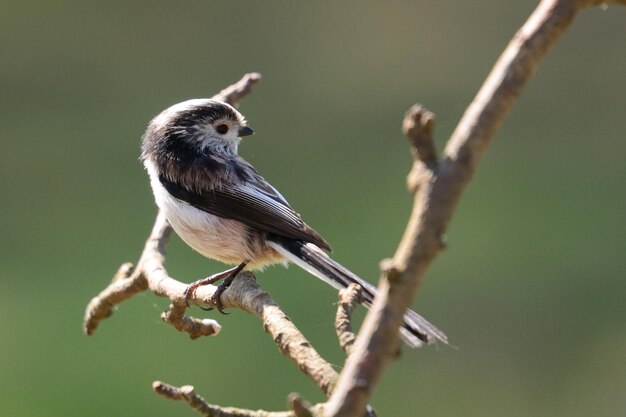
(222, 128)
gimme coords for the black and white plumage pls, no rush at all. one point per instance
(221, 207)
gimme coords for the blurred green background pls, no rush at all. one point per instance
(531, 290)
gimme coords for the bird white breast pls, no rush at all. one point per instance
(212, 236)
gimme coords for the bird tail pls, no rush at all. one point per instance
(415, 330)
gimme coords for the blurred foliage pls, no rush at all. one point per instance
(531, 290)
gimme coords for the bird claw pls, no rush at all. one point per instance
(216, 299)
(228, 276)
(187, 293)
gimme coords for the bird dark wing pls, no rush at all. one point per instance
(256, 204)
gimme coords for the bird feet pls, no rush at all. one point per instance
(228, 276)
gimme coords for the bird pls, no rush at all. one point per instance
(224, 209)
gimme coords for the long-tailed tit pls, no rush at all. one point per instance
(221, 207)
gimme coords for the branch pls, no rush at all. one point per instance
(186, 393)
(348, 299)
(437, 190)
(245, 294)
(150, 273)
(234, 93)
(417, 126)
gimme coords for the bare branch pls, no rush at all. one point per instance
(436, 198)
(234, 93)
(121, 288)
(348, 299)
(187, 394)
(175, 316)
(246, 294)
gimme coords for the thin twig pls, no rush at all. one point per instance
(187, 394)
(175, 316)
(234, 93)
(348, 300)
(436, 198)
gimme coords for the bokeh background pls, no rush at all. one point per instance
(531, 290)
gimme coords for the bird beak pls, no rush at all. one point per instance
(245, 131)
